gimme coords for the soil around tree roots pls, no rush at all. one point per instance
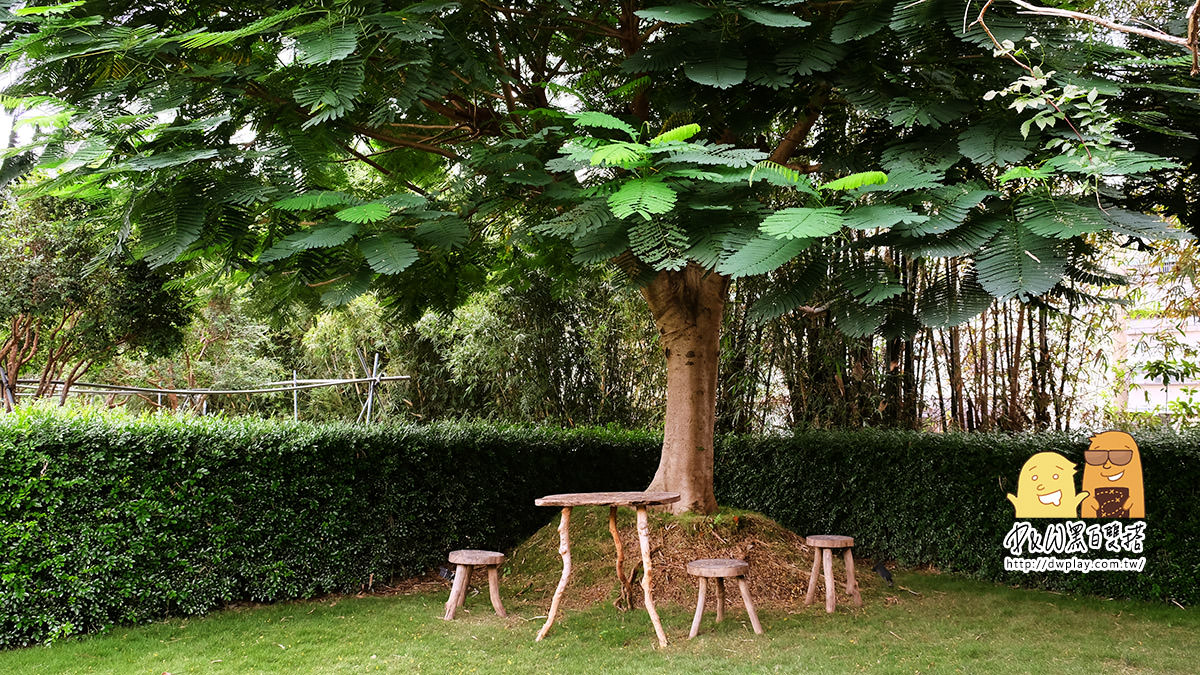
(779, 560)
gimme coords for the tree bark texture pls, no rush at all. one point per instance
(687, 306)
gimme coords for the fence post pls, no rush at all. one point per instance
(295, 398)
(9, 403)
(371, 388)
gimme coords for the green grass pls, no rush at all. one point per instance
(954, 625)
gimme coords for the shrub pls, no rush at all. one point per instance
(108, 519)
(939, 500)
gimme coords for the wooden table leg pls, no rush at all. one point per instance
(564, 550)
(699, 610)
(457, 590)
(744, 586)
(830, 591)
(625, 602)
(643, 527)
(851, 582)
(494, 590)
(812, 578)
(720, 599)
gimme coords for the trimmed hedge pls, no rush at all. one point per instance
(107, 519)
(939, 500)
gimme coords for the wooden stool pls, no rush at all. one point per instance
(466, 561)
(720, 569)
(823, 546)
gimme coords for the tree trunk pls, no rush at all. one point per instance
(687, 306)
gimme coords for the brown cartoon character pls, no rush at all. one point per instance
(1112, 473)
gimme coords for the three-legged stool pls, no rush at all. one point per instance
(466, 560)
(721, 569)
(823, 547)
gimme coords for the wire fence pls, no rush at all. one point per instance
(28, 388)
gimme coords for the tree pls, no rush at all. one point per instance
(62, 311)
(866, 145)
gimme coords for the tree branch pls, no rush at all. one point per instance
(1190, 43)
(799, 131)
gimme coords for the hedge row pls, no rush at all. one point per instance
(109, 519)
(939, 500)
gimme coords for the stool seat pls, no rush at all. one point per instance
(718, 567)
(823, 546)
(467, 560)
(475, 557)
(721, 569)
(829, 541)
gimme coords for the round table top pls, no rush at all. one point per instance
(609, 499)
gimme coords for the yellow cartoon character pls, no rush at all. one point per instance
(1113, 475)
(1046, 488)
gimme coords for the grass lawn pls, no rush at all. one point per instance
(954, 625)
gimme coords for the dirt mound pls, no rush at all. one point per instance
(779, 559)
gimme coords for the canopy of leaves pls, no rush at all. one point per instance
(324, 150)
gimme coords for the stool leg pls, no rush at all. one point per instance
(720, 599)
(851, 582)
(466, 572)
(745, 588)
(830, 591)
(699, 610)
(812, 578)
(459, 587)
(494, 590)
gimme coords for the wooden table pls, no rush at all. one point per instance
(640, 501)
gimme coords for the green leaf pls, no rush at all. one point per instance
(48, 9)
(388, 253)
(371, 212)
(993, 144)
(1018, 172)
(952, 301)
(950, 209)
(343, 292)
(658, 243)
(621, 153)
(857, 320)
(677, 134)
(809, 56)
(677, 14)
(205, 39)
(163, 160)
(602, 121)
(802, 222)
(317, 237)
(1018, 263)
(643, 196)
(316, 199)
(760, 255)
(773, 18)
(881, 216)
(451, 232)
(717, 66)
(861, 21)
(871, 282)
(586, 217)
(331, 44)
(856, 180)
